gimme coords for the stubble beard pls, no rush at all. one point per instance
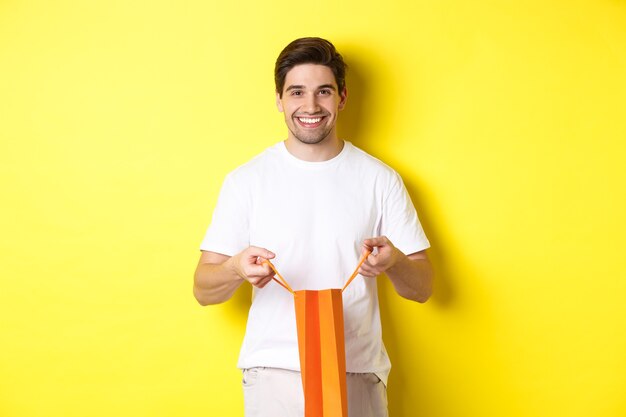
(309, 138)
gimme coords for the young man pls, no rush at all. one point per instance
(312, 204)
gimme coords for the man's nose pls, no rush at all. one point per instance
(311, 105)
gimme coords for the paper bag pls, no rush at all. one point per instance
(321, 344)
(319, 319)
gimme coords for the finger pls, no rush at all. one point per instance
(367, 273)
(366, 248)
(254, 252)
(258, 271)
(263, 282)
(372, 261)
(374, 242)
(254, 281)
(266, 280)
(368, 270)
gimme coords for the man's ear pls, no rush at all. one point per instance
(343, 97)
(279, 104)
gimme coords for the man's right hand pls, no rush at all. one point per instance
(248, 264)
(218, 276)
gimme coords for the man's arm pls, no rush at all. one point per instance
(410, 275)
(218, 276)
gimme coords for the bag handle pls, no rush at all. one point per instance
(283, 283)
(356, 271)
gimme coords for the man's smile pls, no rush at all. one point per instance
(309, 122)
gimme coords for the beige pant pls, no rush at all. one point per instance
(272, 392)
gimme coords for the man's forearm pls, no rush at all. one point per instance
(218, 276)
(412, 278)
(215, 283)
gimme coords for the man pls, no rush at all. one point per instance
(312, 204)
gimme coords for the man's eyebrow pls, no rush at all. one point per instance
(294, 87)
(301, 87)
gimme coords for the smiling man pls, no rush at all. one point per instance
(311, 108)
(312, 203)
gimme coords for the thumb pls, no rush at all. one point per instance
(374, 242)
(256, 252)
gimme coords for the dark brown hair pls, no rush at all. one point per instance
(309, 51)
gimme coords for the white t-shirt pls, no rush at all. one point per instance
(314, 216)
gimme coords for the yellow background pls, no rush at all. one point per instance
(119, 120)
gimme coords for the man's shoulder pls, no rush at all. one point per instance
(370, 162)
(257, 164)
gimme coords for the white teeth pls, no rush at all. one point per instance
(309, 120)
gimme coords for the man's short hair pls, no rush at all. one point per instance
(309, 51)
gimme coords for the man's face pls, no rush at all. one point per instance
(311, 103)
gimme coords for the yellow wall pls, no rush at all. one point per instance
(118, 121)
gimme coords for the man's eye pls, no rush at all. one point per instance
(324, 92)
(296, 93)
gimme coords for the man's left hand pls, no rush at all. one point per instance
(386, 257)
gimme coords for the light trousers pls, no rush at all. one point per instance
(272, 392)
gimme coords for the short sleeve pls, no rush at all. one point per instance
(400, 222)
(228, 233)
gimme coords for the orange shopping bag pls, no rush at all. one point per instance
(319, 319)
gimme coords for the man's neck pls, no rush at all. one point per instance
(319, 152)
